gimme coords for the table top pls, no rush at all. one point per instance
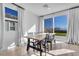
(39, 36)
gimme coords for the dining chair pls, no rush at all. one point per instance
(50, 40)
(32, 42)
(36, 43)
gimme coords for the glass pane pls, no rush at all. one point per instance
(12, 25)
(60, 25)
(10, 13)
(48, 25)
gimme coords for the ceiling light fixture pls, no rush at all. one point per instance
(46, 6)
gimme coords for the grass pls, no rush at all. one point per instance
(60, 34)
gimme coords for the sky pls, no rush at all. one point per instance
(60, 22)
(11, 12)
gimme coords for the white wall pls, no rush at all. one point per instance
(30, 22)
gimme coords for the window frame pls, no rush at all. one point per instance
(55, 15)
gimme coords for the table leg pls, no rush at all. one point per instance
(28, 44)
(45, 47)
(40, 49)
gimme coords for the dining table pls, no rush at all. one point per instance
(38, 37)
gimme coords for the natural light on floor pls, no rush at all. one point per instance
(12, 46)
(61, 51)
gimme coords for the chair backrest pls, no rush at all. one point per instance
(50, 37)
(47, 36)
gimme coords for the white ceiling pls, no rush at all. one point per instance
(38, 9)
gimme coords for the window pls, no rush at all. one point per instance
(11, 19)
(60, 25)
(12, 25)
(10, 13)
(48, 25)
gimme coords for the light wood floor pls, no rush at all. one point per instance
(21, 51)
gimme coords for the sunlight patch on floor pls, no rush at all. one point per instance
(11, 46)
(61, 51)
(43, 54)
(59, 42)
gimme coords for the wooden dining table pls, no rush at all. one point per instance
(38, 37)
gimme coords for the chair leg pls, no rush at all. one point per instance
(54, 41)
(45, 49)
(50, 45)
(38, 47)
(34, 49)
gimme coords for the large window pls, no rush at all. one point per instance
(59, 24)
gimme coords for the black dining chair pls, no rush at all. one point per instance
(32, 42)
(36, 44)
